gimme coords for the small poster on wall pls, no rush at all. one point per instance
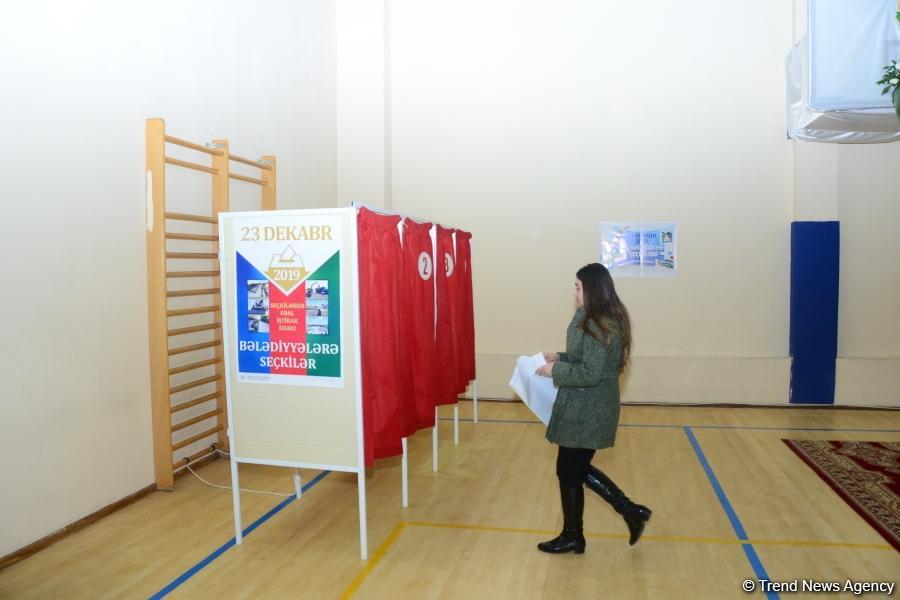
(639, 248)
(288, 300)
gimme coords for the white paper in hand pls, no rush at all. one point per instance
(536, 391)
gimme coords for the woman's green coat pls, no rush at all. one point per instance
(586, 411)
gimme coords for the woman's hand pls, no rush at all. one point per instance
(545, 370)
(551, 357)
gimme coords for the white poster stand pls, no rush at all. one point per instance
(290, 319)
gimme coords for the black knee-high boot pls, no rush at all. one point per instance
(635, 515)
(572, 537)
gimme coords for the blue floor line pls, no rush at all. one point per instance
(224, 547)
(732, 515)
(662, 426)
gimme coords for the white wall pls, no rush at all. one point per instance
(868, 366)
(529, 122)
(523, 122)
(77, 81)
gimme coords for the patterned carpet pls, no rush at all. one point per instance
(865, 474)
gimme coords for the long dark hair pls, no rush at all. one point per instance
(603, 307)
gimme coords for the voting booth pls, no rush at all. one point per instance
(342, 336)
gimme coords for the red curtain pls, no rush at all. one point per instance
(418, 324)
(447, 303)
(466, 326)
(388, 412)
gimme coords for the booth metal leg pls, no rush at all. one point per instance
(434, 442)
(236, 500)
(404, 463)
(363, 536)
(298, 483)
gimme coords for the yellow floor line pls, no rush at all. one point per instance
(376, 558)
(815, 544)
(805, 543)
(658, 538)
(478, 527)
(395, 534)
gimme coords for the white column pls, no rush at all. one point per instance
(816, 191)
(363, 102)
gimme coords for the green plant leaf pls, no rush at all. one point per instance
(895, 98)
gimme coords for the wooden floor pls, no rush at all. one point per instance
(470, 530)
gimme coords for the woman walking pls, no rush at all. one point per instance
(586, 412)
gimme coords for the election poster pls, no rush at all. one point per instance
(288, 299)
(639, 248)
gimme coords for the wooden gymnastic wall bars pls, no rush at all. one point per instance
(163, 339)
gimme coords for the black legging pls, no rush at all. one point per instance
(572, 465)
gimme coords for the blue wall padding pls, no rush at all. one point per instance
(812, 380)
(815, 269)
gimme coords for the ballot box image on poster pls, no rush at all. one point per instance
(288, 280)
